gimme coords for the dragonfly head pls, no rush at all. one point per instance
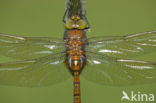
(75, 22)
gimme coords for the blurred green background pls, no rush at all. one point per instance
(44, 18)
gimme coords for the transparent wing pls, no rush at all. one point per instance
(108, 70)
(125, 46)
(35, 72)
(29, 47)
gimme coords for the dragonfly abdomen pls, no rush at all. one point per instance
(77, 98)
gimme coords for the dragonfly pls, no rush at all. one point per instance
(105, 60)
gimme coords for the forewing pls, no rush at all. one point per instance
(29, 47)
(107, 70)
(34, 73)
(125, 46)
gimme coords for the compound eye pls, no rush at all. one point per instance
(81, 24)
(76, 22)
(69, 24)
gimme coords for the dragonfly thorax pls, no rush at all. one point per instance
(75, 42)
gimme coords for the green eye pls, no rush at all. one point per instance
(69, 24)
(82, 24)
(77, 24)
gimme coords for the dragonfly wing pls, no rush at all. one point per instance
(29, 47)
(108, 70)
(125, 46)
(39, 72)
